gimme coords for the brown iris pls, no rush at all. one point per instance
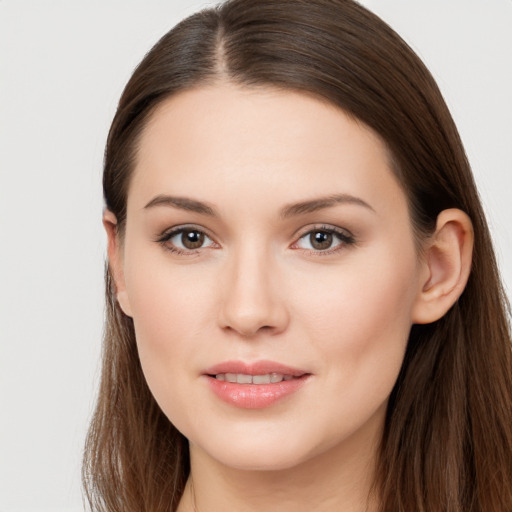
(321, 240)
(192, 239)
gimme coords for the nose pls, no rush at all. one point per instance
(253, 296)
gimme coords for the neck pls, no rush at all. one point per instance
(340, 478)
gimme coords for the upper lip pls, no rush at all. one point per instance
(254, 368)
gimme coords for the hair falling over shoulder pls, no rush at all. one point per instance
(447, 444)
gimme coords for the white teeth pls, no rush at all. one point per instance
(261, 379)
(243, 378)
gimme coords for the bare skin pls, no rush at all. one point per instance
(266, 225)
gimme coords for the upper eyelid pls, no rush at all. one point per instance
(174, 230)
(322, 227)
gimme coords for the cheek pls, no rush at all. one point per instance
(170, 308)
(361, 317)
(164, 296)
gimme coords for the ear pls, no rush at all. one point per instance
(446, 266)
(115, 260)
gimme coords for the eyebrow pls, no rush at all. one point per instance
(183, 203)
(291, 210)
(320, 203)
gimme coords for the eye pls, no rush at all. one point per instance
(324, 240)
(183, 240)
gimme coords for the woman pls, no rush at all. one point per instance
(304, 310)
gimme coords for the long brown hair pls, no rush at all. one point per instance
(447, 444)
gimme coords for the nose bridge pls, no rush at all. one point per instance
(251, 298)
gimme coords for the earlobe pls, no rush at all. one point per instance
(447, 265)
(115, 260)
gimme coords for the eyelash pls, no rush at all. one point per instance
(344, 237)
(165, 237)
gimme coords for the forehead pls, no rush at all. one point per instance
(225, 139)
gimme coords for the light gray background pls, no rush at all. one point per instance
(62, 68)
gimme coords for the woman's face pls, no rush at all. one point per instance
(268, 243)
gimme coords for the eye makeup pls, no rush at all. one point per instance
(319, 240)
(324, 240)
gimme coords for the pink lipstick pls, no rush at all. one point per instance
(254, 385)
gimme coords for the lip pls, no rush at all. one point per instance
(254, 368)
(254, 396)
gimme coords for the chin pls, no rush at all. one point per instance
(251, 450)
(257, 458)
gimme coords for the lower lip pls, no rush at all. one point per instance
(254, 396)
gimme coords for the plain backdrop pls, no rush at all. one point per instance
(63, 65)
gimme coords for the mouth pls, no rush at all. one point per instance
(254, 385)
(230, 370)
(244, 378)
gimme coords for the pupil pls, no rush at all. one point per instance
(192, 239)
(321, 239)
